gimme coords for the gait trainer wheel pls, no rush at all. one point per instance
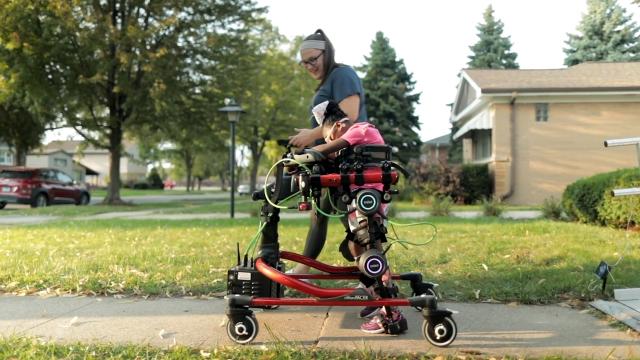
(242, 330)
(440, 332)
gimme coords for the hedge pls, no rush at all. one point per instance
(476, 183)
(588, 199)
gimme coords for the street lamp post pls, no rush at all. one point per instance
(233, 111)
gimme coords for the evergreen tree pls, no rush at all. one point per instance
(492, 51)
(390, 99)
(606, 32)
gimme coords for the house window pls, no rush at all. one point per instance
(481, 145)
(6, 157)
(57, 162)
(542, 112)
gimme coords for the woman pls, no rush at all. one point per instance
(339, 83)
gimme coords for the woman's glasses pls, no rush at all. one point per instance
(311, 61)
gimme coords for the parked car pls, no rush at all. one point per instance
(40, 187)
(243, 189)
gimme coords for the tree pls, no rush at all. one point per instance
(493, 50)
(390, 98)
(276, 95)
(23, 137)
(605, 33)
(104, 61)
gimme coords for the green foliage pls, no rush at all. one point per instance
(154, 179)
(462, 183)
(492, 207)
(583, 199)
(24, 137)
(552, 209)
(391, 99)
(107, 67)
(274, 90)
(492, 51)
(440, 205)
(605, 33)
(454, 155)
(476, 182)
(624, 211)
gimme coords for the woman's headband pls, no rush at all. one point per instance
(313, 44)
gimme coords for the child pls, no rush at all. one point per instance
(339, 133)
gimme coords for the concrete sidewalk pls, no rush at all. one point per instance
(484, 329)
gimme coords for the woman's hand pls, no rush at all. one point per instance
(305, 137)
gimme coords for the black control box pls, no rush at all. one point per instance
(247, 280)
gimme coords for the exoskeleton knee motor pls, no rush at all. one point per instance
(372, 263)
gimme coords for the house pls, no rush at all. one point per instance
(436, 150)
(51, 158)
(95, 160)
(540, 130)
(6, 155)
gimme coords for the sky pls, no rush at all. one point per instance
(432, 37)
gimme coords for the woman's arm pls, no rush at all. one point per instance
(351, 106)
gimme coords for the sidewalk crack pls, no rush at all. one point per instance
(324, 324)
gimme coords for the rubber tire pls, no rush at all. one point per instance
(428, 330)
(430, 292)
(84, 199)
(38, 203)
(2, 204)
(251, 325)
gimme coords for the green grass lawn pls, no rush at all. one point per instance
(243, 204)
(527, 261)
(25, 348)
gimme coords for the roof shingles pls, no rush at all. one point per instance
(592, 76)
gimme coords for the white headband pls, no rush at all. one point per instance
(319, 110)
(313, 44)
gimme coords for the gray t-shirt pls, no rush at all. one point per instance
(341, 83)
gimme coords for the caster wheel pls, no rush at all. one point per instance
(440, 332)
(242, 330)
(428, 292)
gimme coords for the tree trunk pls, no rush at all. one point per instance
(199, 183)
(188, 165)
(21, 156)
(256, 154)
(115, 153)
(223, 180)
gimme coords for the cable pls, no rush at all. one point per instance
(404, 243)
(266, 179)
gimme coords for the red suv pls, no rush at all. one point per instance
(40, 187)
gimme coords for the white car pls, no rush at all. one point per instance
(243, 189)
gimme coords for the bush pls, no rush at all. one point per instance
(552, 209)
(154, 179)
(475, 182)
(492, 207)
(584, 198)
(620, 211)
(141, 186)
(441, 205)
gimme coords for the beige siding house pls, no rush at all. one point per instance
(540, 130)
(132, 168)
